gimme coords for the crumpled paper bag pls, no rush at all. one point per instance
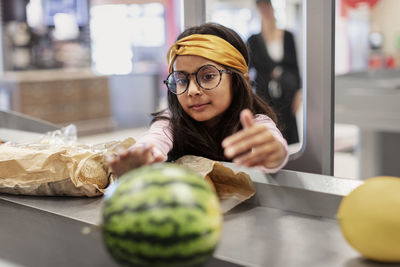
(57, 166)
(232, 187)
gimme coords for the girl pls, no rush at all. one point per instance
(210, 108)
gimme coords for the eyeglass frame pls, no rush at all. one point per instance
(197, 81)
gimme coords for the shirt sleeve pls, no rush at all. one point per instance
(270, 124)
(160, 136)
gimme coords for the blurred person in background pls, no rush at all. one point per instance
(273, 59)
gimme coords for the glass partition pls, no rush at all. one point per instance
(317, 42)
(246, 19)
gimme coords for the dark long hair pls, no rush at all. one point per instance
(191, 137)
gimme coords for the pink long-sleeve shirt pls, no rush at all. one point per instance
(160, 136)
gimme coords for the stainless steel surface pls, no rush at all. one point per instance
(17, 127)
(377, 153)
(262, 236)
(289, 222)
(370, 100)
(305, 193)
(5, 263)
(85, 210)
(18, 121)
(32, 237)
(286, 190)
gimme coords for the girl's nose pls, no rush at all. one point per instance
(193, 87)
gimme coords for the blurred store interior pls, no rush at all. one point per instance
(100, 64)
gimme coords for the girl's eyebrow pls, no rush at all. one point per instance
(215, 65)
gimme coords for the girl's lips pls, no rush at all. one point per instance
(199, 107)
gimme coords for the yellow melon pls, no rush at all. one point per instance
(369, 218)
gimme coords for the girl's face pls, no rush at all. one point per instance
(203, 105)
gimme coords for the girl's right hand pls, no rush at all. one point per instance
(131, 158)
(254, 145)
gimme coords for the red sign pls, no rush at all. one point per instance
(354, 3)
(348, 4)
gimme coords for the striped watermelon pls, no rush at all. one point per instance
(161, 215)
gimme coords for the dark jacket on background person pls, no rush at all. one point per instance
(289, 81)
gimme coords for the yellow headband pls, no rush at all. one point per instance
(210, 47)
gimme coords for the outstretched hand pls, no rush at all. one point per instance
(254, 145)
(131, 158)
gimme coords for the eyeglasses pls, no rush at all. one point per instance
(207, 77)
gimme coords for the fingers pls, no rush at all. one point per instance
(244, 141)
(269, 155)
(254, 145)
(158, 158)
(127, 159)
(246, 118)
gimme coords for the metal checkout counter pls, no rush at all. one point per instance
(290, 221)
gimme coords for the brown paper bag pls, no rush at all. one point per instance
(56, 170)
(232, 188)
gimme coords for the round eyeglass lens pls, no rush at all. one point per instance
(177, 82)
(208, 77)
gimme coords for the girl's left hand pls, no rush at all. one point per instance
(134, 157)
(254, 145)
